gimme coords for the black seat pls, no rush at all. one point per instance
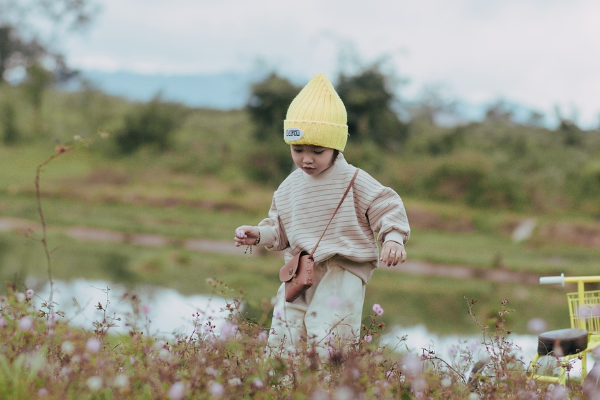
(570, 341)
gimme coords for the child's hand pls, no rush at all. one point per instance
(246, 235)
(392, 253)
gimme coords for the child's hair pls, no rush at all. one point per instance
(317, 116)
(335, 155)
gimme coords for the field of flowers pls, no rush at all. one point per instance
(44, 356)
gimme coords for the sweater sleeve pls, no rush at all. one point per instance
(272, 232)
(385, 212)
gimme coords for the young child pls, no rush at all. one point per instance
(329, 313)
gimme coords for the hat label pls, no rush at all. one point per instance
(292, 134)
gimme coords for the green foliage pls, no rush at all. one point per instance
(30, 31)
(268, 160)
(471, 178)
(268, 106)
(368, 98)
(9, 124)
(151, 124)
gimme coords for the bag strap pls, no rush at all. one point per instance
(336, 210)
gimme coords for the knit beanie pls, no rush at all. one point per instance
(317, 116)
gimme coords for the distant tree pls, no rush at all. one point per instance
(535, 119)
(268, 104)
(499, 111)
(368, 98)
(151, 124)
(37, 80)
(31, 29)
(571, 134)
(9, 124)
(267, 107)
(431, 104)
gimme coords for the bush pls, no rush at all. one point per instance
(472, 178)
(9, 124)
(151, 124)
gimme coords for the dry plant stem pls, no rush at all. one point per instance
(44, 240)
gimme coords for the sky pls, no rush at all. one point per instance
(542, 54)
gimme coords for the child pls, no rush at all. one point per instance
(328, 315)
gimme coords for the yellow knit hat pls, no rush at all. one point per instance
(317, 116)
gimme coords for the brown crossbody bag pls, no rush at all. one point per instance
(298, 273)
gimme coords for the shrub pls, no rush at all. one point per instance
(9, 124)
(151, 124)
(473, 179)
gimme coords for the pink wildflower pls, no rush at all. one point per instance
(536, 325)
(216, 389)
(228, 330)
(367, 338)
(558, 392)
(240, 233)
(377, 309)
(94, 383)
(262, 336)
(177, 391)
(67, 347)
(584, 311)
(343, 393)
(413, 366)
(452, 351)
(257, 383)
(25, 323)
(3, 322)
(330, 351)
(29, 293)
(93, 345)
(121, 381)
(146, 308)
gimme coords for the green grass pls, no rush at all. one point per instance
(487, 251)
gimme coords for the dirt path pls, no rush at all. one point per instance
(227, 247)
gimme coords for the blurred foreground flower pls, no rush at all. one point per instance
(93, 345)
(25, 323)
(177, 391)
(537, 325)
(94, 383)
(377, 309)
(216, 389)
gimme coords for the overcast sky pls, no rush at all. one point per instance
(540, 53)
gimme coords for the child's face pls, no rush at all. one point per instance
(312, 159)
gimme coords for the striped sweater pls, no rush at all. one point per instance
(303, 205)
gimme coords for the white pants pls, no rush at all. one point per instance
(328, 315)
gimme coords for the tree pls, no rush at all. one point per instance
(31, 29)
(8, 117)
(153, 124)
(500, 111)
(268, 106)
(37, 81)
(369, 99)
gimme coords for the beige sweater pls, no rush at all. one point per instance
(303, 205)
